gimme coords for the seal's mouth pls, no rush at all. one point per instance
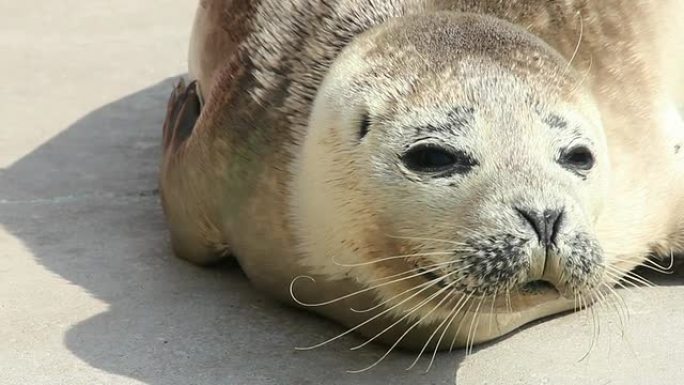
(537, 287)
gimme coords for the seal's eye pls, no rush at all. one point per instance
(364, 126)
(430, 158)
(578, 158)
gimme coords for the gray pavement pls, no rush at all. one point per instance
(89, 290)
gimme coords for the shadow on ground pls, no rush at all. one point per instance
(86, 205)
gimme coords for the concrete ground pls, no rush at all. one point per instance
(89, 291)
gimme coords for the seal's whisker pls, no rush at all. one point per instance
(409, 312)
(598, 300)
(417, 272)
(491, 319)
(367, 289)
(619, 281)
(471, 332)
(625, 274)
(427, 239)
(596, 315)
(406, 332)
(594, 324)
(671, 260)
(413, 272)
(508, 300)
(389, 300)
(451, 313)
(654, 267)
(635, 277)
(621, 305)
(404, 256)
(427, 342)
(630, 277)
(434, 282)
(415, 269)
(450, 318)
(579, 301)
(587, 72)
(603, 300)
(457, 310)
(460, 324)
(579, 43)
(669, 267)
(620, 310)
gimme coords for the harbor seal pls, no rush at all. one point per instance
(428, 173)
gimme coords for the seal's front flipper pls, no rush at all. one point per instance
(189, 191)
(182, 111)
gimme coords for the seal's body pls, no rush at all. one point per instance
(449, 169)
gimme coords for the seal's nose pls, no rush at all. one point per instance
(545, 225)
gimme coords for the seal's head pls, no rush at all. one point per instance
(453, 154)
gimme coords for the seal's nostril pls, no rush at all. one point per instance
(533, 219)
(554, 220)
(546, 225)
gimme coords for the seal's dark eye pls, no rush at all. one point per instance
(364, 126)
(430, 158)
(578, 158)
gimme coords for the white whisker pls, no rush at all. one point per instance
(621, 305)
(458, 307)
(386, 301)
(579, 42)
(389, 300)
(405, 256)
(417, 269)
(346, 296)
(434, 282)
(623, 277)
(452, 312)
(584, 77)
(460, 324)
(508, 300)
(595, 328)
(408, 314)
(617, 280)
(427, 239)
(402, 336)
(471, 331)
(655, 267)
(635, 277)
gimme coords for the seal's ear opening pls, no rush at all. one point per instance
(364, 125)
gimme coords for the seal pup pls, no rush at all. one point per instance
(428, 173)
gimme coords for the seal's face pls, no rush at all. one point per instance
(497, 184)
(476, 169)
